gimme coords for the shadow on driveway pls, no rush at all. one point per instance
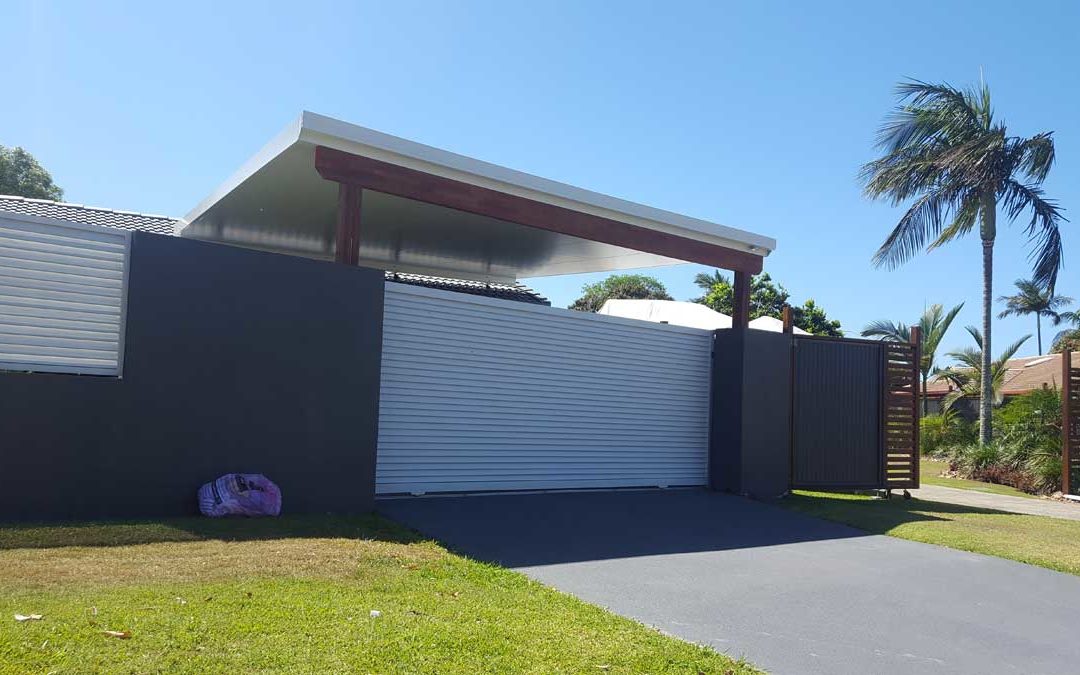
(523, 530)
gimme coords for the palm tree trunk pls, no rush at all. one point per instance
(925, 398)
(1038, 330)
(986, 393)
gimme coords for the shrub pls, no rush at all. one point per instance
(1026, 451)
(937, 432)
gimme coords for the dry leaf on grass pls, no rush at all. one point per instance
(120, 634)
(28, 617)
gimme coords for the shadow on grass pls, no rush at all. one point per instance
(880, 516)
(130, 532)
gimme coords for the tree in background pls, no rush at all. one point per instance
(967, 378)
(813, 320)
(943, 148)
(22, 176)
(767, 298)
(1034, 299)
(933, 324)
(1066, 341)
(620, 287)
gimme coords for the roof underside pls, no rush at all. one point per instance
(279, 202)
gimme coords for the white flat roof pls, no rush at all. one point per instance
(277, 201)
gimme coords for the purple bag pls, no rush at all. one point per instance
(240, 494)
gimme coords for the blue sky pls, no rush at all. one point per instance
(756, 115)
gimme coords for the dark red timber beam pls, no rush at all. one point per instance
(347, 236)
(371, 174)
(740, 311)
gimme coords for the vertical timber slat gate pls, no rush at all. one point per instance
(1070, 425)
(855, 414)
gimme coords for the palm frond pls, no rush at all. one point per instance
(887, 331)
(923, 220)
(1043, 229)
(1033, 156)
(927, 112)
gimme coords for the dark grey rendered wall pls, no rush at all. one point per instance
(750, 437)
(235, 360)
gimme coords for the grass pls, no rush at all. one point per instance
(295, 595)
(930, 471)
(1048, 542)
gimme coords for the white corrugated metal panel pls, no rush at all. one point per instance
(62, 296)
(486, 394)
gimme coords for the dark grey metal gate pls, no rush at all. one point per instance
(854, 414)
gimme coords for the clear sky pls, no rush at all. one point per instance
(755, 115)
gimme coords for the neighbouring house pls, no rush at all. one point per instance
(682, 313)
(344, 315)
(1022, 376)
(773, 324)
(674, 312)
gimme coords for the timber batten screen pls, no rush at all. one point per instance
(62, 296)
(900, 426)
(483, 394)
(1070, 425)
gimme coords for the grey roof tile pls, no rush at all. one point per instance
(89, 215)
(517, 292)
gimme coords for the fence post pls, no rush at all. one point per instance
(916, 341)
(1066, 417)
(789, 325)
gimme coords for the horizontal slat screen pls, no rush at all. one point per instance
(61, 297)
(484, 394)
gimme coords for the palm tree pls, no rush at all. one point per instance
(943, 148)
(933, 325)
(705, 281)
(967, 379)
(1034, 299)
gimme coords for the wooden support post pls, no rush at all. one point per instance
(1066, 419)
(347, 236)
(916, 342)
(740, 315)
(789, 321)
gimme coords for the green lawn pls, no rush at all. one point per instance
(930, 471)
(295, 595)
(1047, 542)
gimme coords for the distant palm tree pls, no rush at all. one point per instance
(1034, 299)
(943, 148)
(933, 325)
(706, 280)
(967, 378)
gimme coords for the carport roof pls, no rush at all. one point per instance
(429, 211)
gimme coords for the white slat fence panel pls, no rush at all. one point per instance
(484, 394)
(62, 296)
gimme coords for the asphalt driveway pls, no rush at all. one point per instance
(791, 594)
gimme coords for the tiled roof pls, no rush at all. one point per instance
(88, 215)
(1023, 375)
(517, 292)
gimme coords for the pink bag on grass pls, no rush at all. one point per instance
(240, 494)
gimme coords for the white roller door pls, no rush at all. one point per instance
(485, 394)
(61, 296)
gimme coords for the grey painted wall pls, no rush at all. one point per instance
(750, 443)
(235, 360)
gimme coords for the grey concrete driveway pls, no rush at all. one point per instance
(789, 593)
